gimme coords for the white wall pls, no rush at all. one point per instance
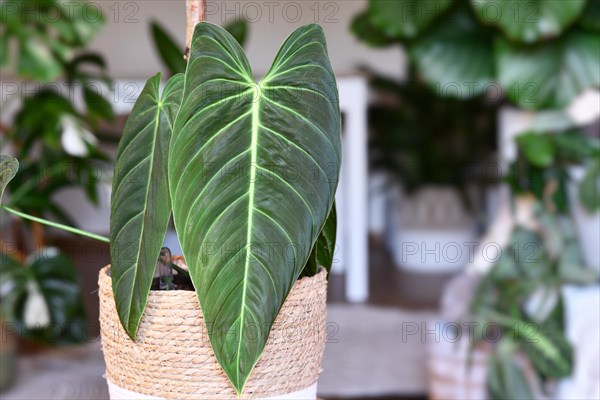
(127, 46)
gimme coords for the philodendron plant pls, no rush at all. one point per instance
(248, 170)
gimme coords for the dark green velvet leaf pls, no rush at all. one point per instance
(140, 205)
(253, 170)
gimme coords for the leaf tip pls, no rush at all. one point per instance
(8, 169)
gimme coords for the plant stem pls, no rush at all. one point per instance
(56, 225)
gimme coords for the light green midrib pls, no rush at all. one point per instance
(253, 168)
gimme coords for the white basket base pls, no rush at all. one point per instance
(118, 393)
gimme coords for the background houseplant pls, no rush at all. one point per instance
(43, 51)
(40, 296)
(517, 309)
(522, 293)
(57, 102)
(537, 55)
(162, 156)
(433, 147)
(569, 162)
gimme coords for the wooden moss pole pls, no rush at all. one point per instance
(196, 12)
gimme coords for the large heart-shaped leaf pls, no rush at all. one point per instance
(550, 75)
(253, 171)
(529, 21)
(140, 205)
(8, 169)
(455, 57)
(405, 18)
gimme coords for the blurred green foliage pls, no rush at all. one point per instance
(422, 138)
(48, 274)
(538, 54)
(542, 53)
(44, 41)
(46, 34)
(545, 159)
(43, 50)
(522, 294)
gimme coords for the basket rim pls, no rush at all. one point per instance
(105, 272)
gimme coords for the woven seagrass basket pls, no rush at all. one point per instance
(457, 372)
(452, 376)
(172, 357)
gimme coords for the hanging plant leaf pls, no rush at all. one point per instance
(170, 53)
(238, 29)
(571, 267)
(80, 21)
(140, 205)
(323, 251)
(548, 350)
(589, 188)
(36, 61)
(538, 149)
(366, 32)
(590, 18)
(253, 170)
(550, 75)
(455, 58)
(98, 106)
(529, 21)
(405, 19)
(506, 380)
(8, 169)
